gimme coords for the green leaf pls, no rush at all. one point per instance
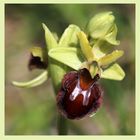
(69, 56)
(111, 37)
(110, 58)
(69, 37)
(49, 37)
(100, 25)
(85, 46)
(114, 72)
(33, 83)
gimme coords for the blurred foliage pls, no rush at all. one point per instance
(33, 111)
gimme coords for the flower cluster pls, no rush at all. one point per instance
(76, 62)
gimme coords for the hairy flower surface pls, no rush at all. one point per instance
(80, 95)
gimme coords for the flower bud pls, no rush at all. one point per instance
(80, 95)
(100, 25)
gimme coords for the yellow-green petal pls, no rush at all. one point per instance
(110, 58)
(85, 46)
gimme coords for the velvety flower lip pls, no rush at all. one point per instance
(80, 94)
(35, 62)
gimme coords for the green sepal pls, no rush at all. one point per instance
(69, 56)
(110, 58)
(33, 83)
(56, 70)
(114, 72)
(85, 46)
(100, 25)
(49, 38)
(111, 37)
(69, 37)
(55, 36)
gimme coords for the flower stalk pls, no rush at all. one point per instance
(62, 125)
(56, 71)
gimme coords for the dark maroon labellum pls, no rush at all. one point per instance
(80, 95)
(35, 62)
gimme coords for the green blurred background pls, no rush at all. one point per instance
(33, 111)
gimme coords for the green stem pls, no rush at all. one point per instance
(56, 71)
(57, 74)
(62, 125)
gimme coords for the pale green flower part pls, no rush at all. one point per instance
(110, 58)
(111, 37)
(69, 37)
(114, 72)
(85, 46)
(102, 26)
(33, 83)
(69, 56)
